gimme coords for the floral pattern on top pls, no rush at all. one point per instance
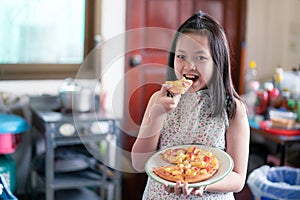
(191, 123)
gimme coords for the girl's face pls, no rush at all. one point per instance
(193, 60)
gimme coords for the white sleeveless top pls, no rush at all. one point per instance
(190, 123)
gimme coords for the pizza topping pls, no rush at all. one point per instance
(207, 158)
(190, 165)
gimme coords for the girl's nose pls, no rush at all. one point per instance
(190, 65)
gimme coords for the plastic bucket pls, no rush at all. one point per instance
(9, 143)
(275, 183)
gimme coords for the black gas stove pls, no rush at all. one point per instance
(48, 109)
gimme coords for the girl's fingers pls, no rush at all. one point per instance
(199, 191)
(167, 188)
(164, 89)
(177, 188)
(186, 190)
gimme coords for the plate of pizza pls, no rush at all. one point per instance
(196, 164)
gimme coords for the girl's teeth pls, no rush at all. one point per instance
(190, 76)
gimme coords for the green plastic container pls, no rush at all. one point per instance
(8, 170)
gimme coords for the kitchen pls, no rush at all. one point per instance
(264, 43)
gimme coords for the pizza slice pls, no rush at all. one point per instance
(174, 156)
(196, 174)
(179, 86)
(171, 173)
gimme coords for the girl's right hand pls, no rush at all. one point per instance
(185, 189)
(165, 101)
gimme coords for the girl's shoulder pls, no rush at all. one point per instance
(241, 110)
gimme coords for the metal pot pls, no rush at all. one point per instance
(75, 97)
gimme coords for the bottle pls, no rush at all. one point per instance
(274, 98)
(285, 95)
(261, 104)
(268, 86)
(251, 99)
(251, 75)
(278, 77)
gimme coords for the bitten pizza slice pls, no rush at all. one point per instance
(179, 86)
(174, 156)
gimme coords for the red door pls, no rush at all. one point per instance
(146, 60)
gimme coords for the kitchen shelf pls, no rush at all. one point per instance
(63, 141)
(46, 130)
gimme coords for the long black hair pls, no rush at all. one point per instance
(221, 86)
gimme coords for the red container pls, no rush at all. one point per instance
(9, 143)
(274, 98)
(261, 104)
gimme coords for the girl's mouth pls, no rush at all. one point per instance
(191, 77)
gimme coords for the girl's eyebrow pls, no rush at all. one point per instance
(180, 51)
(197, 52)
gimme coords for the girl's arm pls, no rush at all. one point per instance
(148, 136)
(237, 146)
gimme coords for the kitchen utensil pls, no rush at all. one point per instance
(75, 97)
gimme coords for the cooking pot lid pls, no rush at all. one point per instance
(66, 161)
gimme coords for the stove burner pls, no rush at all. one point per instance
(62, 110)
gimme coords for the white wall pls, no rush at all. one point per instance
(273, 35)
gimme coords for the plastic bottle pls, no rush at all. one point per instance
(251, 99)
(268, 86)
(261, 104)
(285, 95)
(251, 75)
(278, 77)
(274, 98)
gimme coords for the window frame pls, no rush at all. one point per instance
(59, 71)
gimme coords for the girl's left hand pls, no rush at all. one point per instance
(185, 190)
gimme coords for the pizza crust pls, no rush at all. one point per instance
(169, 173)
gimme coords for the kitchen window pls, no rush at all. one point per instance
(45, 39)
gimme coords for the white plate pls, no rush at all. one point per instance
(226, 165)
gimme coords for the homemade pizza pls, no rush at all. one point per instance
(189, 164)
(179, 86)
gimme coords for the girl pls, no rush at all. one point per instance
(211, 113)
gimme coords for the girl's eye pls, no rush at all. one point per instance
(182, 57)
(200, 58)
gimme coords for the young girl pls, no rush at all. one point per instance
(211, 113)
